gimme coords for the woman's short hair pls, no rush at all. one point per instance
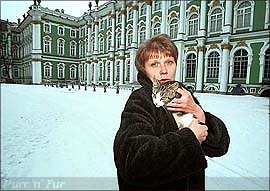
(152, 48)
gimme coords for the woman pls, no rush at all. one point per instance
(150, 152)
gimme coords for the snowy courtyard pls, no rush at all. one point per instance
(51, 134)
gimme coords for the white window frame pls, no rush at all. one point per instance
(49, 71)
(109, 41)
(195, 22)
(73, 71)
(101, 44)
(156, 6)
(235, 24)
(59, 72)
(58, 47)
(210, 15)
(143, 9)
(71, 31)
(142, 33)
(129, 37)
(49, 25)
(130, 14)
(59, 29)
(186, 68)
(173, 28)
(118, 40)
(216, 67)
(72, 48)
(49, 40)
(156, 28)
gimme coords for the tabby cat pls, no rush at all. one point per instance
(164, 93)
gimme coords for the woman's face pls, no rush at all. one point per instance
(160, 67)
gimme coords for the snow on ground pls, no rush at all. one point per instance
(64, 132)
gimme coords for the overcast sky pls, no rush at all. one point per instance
(12, 10)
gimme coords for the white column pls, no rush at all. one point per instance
(227, 28)
(250, 56)
(9, 52)
(180, 61)
(111, 72)
(88, 76)
(148, 20)
(202, 29)
(95, 61)
(164, 17)
(122, 45)
(88, 53)
(205, 70)
(224, 68)
(181, 33)
(133, 50)
(36, 50)
(112, 48)
(202, 33)
(199, 71)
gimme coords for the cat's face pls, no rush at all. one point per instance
(163, 94)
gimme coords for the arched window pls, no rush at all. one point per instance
(61, 30)
(191, 65)
(16, 71)
(216, 20)
(173, 28)
(117, 71)
(73, 72)
(108, 71)
(100, 71)
(61, 46)
(80, 72)
(61, 71)
(266, 73)
(47, 28)
(156, 28)
(142, 34)
(119, 18)
(240, 64)
(244, 14)
(15, 52)
(47, 70)
(129, 37)
(193, 24)
(72, 48)
(109, 41)
(143, 9)
(157, 5)
(130, 14)
(81, 52)
(213, 65)
(118, 40)
(101, 44)
(47, 44)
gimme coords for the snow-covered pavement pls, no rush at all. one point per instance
(64, 132)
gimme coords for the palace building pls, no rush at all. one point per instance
(221, 43)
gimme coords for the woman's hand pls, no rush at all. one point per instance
(186, 104)
(199, 130)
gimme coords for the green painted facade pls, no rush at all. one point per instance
(254, 39)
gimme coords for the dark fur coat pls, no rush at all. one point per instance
(150, 152)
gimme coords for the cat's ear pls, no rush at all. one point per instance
(174, 86)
